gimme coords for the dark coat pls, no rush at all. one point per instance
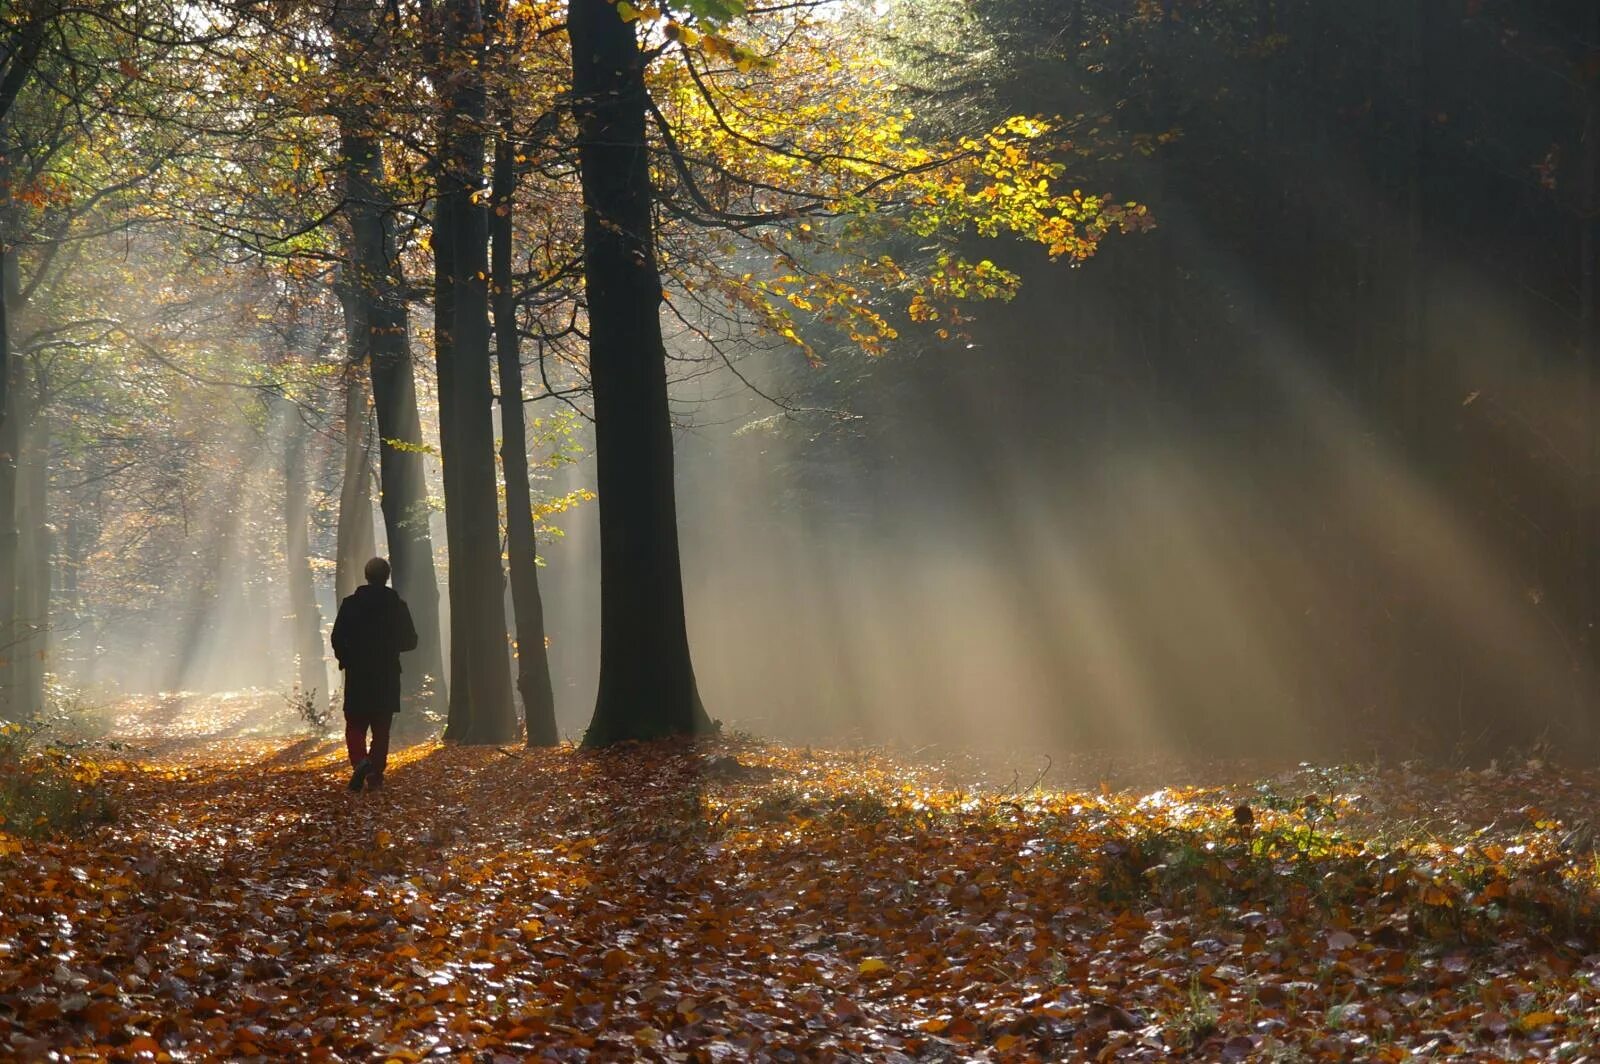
(372, 630)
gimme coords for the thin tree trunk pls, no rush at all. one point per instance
(71, 552)
(377, 282)
(478, 612)
(647, 685)
(306, 619)
(5, 287)
(1589, 346)
(33, 559)
(27, 45)
(379, 286)
(1436, 673)
(1415, 337)
(207, 595)
(354, 540)
(533, 659)
(12, 703)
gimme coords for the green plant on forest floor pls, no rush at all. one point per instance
(1198, 1018)
(45, 787)
(314, 717)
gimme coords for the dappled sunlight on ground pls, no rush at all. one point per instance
(184, 715)
(742, 900)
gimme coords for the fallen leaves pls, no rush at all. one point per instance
(743, 901)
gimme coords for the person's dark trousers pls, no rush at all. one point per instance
(377, 756)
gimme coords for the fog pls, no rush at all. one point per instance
(1044, 540)
(1050, 535)
(1206, 515)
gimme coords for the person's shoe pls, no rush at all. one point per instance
(375, 783)
(359, 776)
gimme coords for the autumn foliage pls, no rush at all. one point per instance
(738, 900)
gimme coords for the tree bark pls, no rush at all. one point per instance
(12, 705)
(5, 287)
(23, 52)
(1589, 342)
(354, 540)
(380, 288)
(306, 619)
(477, 581)
(533, 659)
(647, 685)
(34, 543)
(444, 300)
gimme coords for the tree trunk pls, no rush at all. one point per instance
(306, 620)
(5, 287)
(379, 286)
(12, 703)
(10, 445)
(647, 685)
(1415, 320)
(477, 582)
(27, 43)
(460, 718)
(533, 659)
(1589, 343)
(354, 540)
(34, 543)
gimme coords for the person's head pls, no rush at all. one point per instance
(377, 571)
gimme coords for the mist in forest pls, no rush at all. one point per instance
(1026, 544)
(1046, 536)
(1307, 467)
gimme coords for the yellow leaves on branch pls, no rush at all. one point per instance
(823, 148)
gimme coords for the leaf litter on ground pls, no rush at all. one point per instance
(734, 899)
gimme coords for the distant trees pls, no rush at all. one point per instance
(65, 70)
(731, 169)
(1340, 195)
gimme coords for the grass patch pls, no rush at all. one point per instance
(1301, 869)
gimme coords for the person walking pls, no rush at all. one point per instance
(371, 632)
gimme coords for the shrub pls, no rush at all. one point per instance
(315, 718)
(72, 717)
(45, 788)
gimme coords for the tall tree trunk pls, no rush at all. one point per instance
(377, 282)
(647, 685)
(26, 45)
(71, 564)
(354, 540)
(477, 582)
(306, 623)
(533, 659)
(444, 301)
(12, 702)
(1589, 341)
(380, 287)
(5, 287)
(68, 605)
(1436, 673)
(34, 544)
(1415, 319)
(207, 596)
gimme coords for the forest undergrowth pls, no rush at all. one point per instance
(736, 900)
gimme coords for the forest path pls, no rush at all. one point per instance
(739, 900)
